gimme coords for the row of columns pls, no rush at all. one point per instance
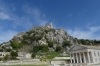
(80, 57)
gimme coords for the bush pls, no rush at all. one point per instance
(58, 48)
(50, 44)
(36, 49)
(8, 50)
(43, 48)
(14, 54)
(66, 43)
(1, 50)
(83, 41)
(15, 44)
(33, 55)
(52, 55)
(46, 31)
(38, 37)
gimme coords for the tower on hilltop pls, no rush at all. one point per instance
(50, 26)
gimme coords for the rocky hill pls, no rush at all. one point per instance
(45, 36)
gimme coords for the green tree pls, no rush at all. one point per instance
(33, 55)
(36, 49)
(13, 53)
(46, 31)
(8, 50)
(50, 44)
(1, 50)
(83, 41)
(15, 44)
(58, 48)
(66, 43)
(44, 48)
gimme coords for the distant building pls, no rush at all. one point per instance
(82, 55)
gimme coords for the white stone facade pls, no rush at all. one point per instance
(85, 55)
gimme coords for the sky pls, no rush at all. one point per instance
(79, 18)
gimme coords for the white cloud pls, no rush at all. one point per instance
(90, 33)
(4, 16)
(36, 14)
(32, 16)
(6, 13)
(6, 35)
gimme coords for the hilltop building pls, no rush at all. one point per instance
(82, 55)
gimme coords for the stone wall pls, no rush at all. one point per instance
(23, 62)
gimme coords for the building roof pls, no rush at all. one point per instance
(79, 47)
(91, 47)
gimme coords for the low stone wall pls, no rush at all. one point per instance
(58, 62)
(66, 58)
(24, 62)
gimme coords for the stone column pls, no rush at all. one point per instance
(71, 58)
(88, 57)
(74, 57)
(84, 57)
(80, 57)
(77, 58)
(92, 54)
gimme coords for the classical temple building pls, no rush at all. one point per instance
(82, 55)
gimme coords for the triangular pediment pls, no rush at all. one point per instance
(77, 47)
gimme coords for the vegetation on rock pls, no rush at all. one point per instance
(43, 40)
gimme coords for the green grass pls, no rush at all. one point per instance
(52, 55)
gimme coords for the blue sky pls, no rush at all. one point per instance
(80, 18)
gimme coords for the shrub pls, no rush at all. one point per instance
(15, 44)
(33, 55)
(52, 55)
(66, 43)
(38, 37)
(44, 48)
(50, 44)
(58, 48)
(36, 49)
(83, 41)
(8, 50)
(46, 31)
(14, 54)
(1, 50)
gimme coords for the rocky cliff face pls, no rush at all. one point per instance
(39, 36)
(43, 35)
